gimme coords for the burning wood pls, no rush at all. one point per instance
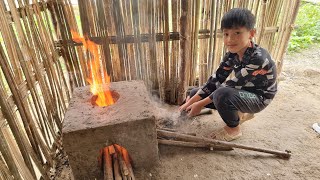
(116, 163)
(107, 168)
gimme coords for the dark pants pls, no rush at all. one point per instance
(228, 101)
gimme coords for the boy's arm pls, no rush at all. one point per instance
(214, 81)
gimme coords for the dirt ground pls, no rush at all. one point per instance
(284, 125)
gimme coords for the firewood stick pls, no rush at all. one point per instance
(111, 149)
(108, 169)
(175, 130)
(168, 129)
(194, 145)
(127, 161)
(122, 164)
(116, 169)
(168, 134)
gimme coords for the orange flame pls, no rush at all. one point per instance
(98, 76)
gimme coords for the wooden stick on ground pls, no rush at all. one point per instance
(168, 134)
(175, 130)
(194, 144)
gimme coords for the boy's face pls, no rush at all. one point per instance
(237, 39)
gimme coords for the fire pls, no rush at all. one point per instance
(98, 77)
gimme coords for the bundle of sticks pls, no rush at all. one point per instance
(116, 163)
(172, 137)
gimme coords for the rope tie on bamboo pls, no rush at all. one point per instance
(182, 37)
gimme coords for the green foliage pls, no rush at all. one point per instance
(308, 27)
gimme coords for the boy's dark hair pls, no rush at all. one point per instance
(238, 17)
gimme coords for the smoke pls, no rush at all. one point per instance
(166, 115)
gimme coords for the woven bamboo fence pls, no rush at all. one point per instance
(169, 44)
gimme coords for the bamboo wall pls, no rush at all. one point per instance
(170, 44)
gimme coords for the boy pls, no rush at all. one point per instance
(253, 86)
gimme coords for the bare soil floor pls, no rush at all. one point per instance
(284, 125)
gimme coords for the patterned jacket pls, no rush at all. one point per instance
(256, 73)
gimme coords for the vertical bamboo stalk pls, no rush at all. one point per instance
(282, 30)
(215, 58)
(184, 63)
(195, 48)
(212, 36)
(174, 52)
(118, 19)
(286, 38)
(152, 45)
(166, 47)
(262, 21)
(137, 37)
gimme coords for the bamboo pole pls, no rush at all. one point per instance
(262, 21)
(4, 171)
(152, 45)
(195, 43)
(118, 19)
(174, 52)
(166, 48)
(212, 37)
(137, 35)
(184, 63)
(19, 135)
(17, 97)
(24, 171)
(4, 149)
(286, 38)
(26, 55)
(52, 73)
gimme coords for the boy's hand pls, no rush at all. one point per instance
(194, 109)
(184, 106)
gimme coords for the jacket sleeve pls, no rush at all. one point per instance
(214, 81)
